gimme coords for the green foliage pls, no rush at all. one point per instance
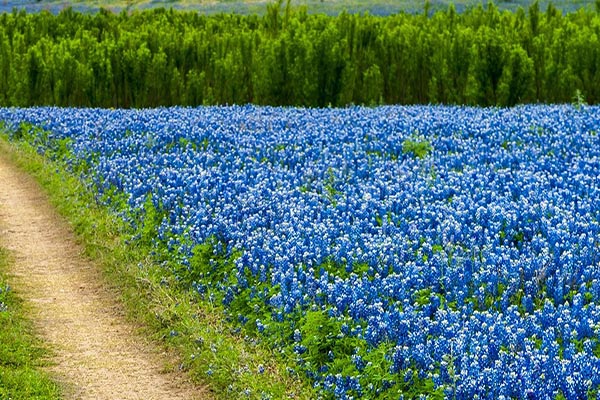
(331, 192)
(579, 100)
(320, 337)
(422, 297)
(290, 57)
(416, 147)
(20, 352)
(151, 219)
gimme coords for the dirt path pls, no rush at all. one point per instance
(97, 354)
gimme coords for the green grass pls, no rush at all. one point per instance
(21, 353)
(208, 347)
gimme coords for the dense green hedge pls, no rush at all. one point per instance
(289, 57)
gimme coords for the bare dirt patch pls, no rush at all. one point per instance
(97, 354)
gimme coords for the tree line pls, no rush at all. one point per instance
(289, 57)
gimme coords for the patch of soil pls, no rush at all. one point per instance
(96, 353)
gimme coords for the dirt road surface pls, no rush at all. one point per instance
(97, 354)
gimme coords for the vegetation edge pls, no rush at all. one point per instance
(202, 342)
(22, 354)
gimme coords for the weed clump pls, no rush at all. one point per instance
(417, 147)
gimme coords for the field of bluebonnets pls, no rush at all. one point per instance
(443, 251)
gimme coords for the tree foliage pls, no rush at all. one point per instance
(289, 57)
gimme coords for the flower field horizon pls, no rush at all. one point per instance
(390, 252)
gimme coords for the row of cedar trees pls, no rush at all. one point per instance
(289, 57)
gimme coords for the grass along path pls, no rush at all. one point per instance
(96, 354)
(21, 353)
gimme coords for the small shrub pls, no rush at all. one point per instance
(416, 147)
